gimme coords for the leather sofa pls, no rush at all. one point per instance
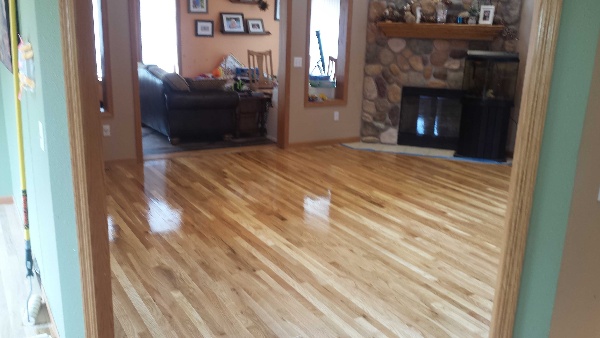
(170, 107)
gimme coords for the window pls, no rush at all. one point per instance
(328, 44)
(158, 26)
(102, 62)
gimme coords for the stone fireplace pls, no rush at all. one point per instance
(394, 63)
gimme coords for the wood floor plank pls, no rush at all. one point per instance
(312, 242)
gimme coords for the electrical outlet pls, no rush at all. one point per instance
(106, 130)
(297, 62)
(336, 115)
(41, 132)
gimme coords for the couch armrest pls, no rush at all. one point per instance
(209, 99)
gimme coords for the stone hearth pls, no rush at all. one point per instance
(392, 63)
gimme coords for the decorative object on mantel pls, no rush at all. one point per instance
(486, 16)
(198, 6)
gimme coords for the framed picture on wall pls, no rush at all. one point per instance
(232, 23)
(277, 10)
(205, 28)
(255, 26)
(198, 6)
(486, 15)
(5, 56)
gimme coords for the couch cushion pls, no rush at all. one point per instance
(176, 82)
(173, 80)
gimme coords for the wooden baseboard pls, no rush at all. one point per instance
(193, 153)
(7, 200)
(324, 142)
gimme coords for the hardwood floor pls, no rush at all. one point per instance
(314, 242)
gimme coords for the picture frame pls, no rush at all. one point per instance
(232, 23)
(255, 26)
(198, 6)
(486, 15)
(5, 45)
(204, 28)
(277, 10)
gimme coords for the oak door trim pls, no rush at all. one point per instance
(86, 162)
(536, 91)
(136, 50)
(283, 117)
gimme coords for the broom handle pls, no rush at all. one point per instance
(12, 9)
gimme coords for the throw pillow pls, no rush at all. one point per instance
(176, 82)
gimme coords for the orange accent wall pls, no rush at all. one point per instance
(203, 54)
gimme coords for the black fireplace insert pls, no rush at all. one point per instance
(430, 117)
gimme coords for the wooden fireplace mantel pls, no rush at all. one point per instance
(449, 31)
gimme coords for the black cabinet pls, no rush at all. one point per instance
(484, 129)
(489, 84)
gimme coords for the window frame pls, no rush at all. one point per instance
(344, 44)
(106, 82)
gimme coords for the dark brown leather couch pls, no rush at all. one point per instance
(171, 108)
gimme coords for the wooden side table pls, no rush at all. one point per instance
(251, 115)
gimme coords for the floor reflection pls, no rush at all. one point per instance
(316, 211)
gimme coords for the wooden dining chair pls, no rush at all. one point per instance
(332, 68)
(264, 62)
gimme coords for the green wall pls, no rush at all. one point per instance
(49, 176)
(569, 95)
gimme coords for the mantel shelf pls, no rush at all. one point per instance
(449, 31)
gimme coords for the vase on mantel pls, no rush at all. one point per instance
(472, 20)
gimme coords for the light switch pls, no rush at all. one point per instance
(598, 195)
(297, 62)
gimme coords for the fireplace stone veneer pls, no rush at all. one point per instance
(393, 63)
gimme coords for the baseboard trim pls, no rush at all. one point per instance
(53, 330)
(7, 200)
(194, 153)
(324, 142)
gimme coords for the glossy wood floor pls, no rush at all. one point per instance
(316, 242)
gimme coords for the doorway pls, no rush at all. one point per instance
(207, 102)
(525, 171)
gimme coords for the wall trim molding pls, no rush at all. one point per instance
(534, 105)
(324, 142)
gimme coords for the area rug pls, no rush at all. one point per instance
(155, 143)
(417, 151)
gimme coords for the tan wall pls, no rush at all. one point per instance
(577, 306)
(317, 124)
(202, 55)
(121, 143)
(523, 49)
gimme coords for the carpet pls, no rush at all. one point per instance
(417, 151)
(154, 143)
